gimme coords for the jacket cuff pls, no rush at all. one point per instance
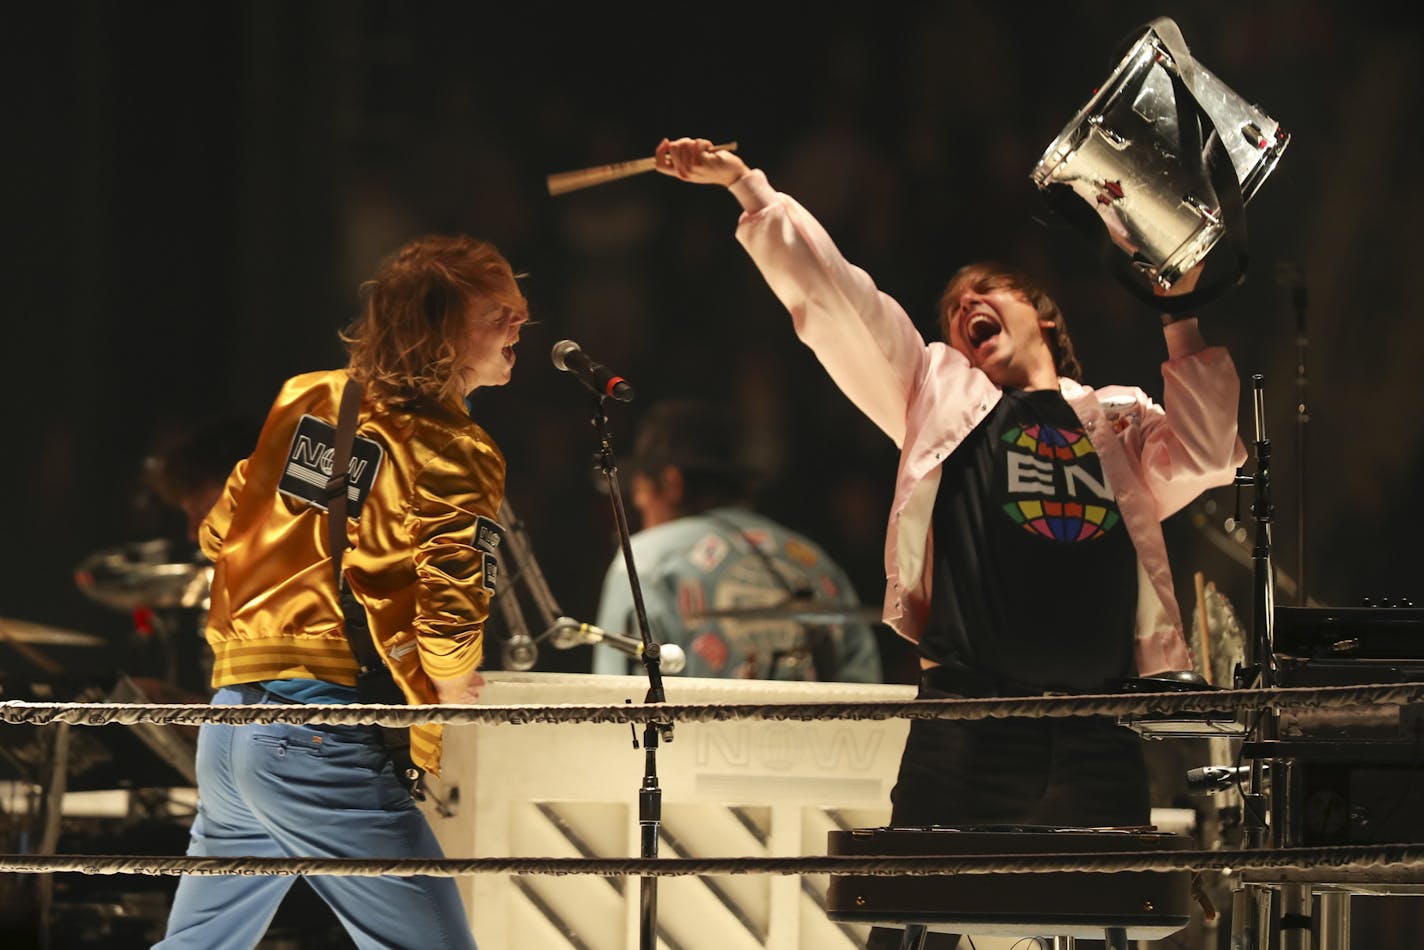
(753, 191)
(1183, 337)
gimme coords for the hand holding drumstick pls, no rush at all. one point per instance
(698, 161)
(564, 182)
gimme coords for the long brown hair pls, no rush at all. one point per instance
(406, 343)
(984, 276)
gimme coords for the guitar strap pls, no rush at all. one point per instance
(374, 682)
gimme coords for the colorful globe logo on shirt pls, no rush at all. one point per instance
(1054, 471)
(1062, 521)
(1050, 442)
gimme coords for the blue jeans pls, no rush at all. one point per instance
(274, 790)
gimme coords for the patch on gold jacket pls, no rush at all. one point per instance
(309, 461)
(488, 534)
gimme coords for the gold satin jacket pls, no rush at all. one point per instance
(424, 490)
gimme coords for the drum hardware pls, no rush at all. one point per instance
(107, 758)
(23, 631)
(143, 574)
(166, 597)
(22, 636)
(518, 565)
(1342, 776)
(1162, 159)
(58, 760)
(1177, 725)
(1257, 778)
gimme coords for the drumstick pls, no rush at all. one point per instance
(1205, 660)
(562, 182)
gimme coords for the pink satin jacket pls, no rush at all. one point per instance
(928, 398)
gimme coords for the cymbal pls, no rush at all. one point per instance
(23, 631)
(798, 611)
(136, 575)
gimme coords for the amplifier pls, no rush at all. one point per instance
(1355, 633)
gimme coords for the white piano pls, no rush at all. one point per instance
(754, 788)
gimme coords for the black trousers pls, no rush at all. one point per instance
(1078, 772)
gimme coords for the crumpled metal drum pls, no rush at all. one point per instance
(1123, 154)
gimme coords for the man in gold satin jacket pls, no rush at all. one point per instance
(424, 486)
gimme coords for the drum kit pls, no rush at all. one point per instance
(139, 578)
(133, 578)
(132, 769)
(143, 574)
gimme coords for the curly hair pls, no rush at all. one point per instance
(985, 276)
(407, 341)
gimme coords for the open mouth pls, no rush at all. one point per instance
(980, 329)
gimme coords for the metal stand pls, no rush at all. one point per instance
(1252, 906)
(1332, 920)
(521, 651)
(654, 733)
(1289, 914)
(914, 937)
(1259, 670)
(521, 572)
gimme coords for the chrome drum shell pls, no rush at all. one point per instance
(1123, 154)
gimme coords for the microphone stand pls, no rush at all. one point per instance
(1252, 906)
(654, 733)
(1260, 671)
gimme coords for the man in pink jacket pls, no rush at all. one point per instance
(1024, 552)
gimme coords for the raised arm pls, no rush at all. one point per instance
(863, 337)
(1190, 443)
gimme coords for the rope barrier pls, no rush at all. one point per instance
(1336, 858)
(1166, 704)
(1026, 707)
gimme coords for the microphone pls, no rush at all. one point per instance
(570, 357)
(568, 633)
(1213, 778)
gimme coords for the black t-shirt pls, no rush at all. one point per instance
(1035, 577)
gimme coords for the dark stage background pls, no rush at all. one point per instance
(196, 190)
